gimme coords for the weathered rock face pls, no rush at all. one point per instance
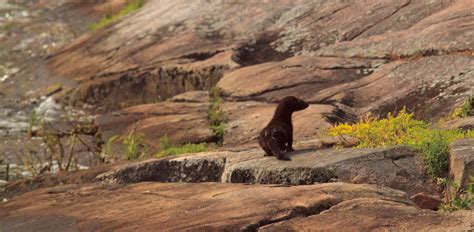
(396, 168)
(461, 161)
(218, 207)
(179, 206)
(365, 214)
(345, 57)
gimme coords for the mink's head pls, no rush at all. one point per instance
(294, 104)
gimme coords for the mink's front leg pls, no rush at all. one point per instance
(290, 141)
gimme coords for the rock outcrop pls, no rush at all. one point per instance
(397, 168)
(345, 57)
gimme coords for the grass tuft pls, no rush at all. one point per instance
(132, 6)
(134, 146)
(167, 148)
(216, 116)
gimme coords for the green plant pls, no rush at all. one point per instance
(107, 148)
(434, 146)
(33, 123)
(165, 142)
(134, 146)
(403, 129)
(464, 110)
(185, 149)
(216, 116)
(167, 148)
(132, 6)
(458, 198)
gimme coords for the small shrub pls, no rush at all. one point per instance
(434, 146)
(216, 116)
(108, 19)
(58, 143)
(373, 132)
(458, 199)
(403, 129)
(133, 145)
(167, 149)
(464, 110)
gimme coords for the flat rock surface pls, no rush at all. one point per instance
(398, 168)
(189, 121)
(178, 206)
(180, 121)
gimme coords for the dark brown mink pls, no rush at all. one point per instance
(277, 137)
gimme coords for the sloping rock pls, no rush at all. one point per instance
(365, 214)
(426, 36)
(188, 122)
(358, 84)
(182, 122)
(296, 73)
(245, 120)
(398, 168)
(461, 161)
(320, 51)
(192, 96)
(180, 206)
(345, 57)
(466, 123)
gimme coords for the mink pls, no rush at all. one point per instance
(276, 138)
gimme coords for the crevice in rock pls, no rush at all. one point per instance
(391, 57)
(297, 211)
(340, 116)
(376, 23)
(284, 87)
(200, 56)
(258, 51)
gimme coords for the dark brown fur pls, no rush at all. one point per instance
(277, 137)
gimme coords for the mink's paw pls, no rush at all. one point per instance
(283, 157)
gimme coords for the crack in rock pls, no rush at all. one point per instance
(297, 211)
